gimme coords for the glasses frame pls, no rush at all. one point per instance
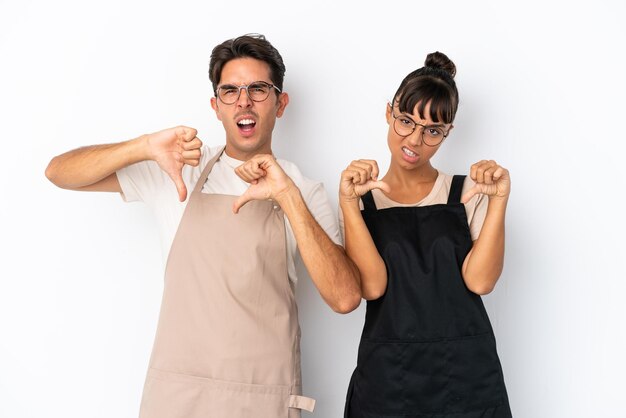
(395, 118)
(245, 87)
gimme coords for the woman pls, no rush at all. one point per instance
(427, 245)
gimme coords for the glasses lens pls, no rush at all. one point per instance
(403, 126)
(228, 94)
(432, 135)
(259, 91)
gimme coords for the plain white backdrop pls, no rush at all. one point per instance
(542, 92)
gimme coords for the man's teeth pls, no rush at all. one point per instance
(245, 122)
(409, 152)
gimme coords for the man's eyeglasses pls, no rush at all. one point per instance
(257, 91)
(404, 126)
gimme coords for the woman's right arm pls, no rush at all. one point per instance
(359, 178)
(93, 168)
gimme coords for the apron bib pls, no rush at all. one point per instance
(228, 340)
(427, 348)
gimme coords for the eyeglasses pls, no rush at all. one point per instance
(405, 126)
(257, 91)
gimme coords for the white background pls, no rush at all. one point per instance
(542, 92)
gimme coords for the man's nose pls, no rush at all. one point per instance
(244, 99)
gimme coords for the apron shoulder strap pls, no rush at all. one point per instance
(455, 189)
(368, 202)
(206, 171)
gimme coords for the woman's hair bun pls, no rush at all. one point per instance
(440, 61)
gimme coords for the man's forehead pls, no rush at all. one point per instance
(244, 71)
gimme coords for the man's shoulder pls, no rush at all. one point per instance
(303, 182)
(208, 152)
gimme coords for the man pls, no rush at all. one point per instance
(228, 339)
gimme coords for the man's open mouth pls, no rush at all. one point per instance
(246, 124)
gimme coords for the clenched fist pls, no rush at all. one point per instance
(173, 148)
(358, 178)
(491, 179)
(267, 180)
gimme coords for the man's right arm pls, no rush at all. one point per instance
(93, 168)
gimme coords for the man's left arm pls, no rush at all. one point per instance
(334, 274)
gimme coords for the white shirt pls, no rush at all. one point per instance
(146, 182)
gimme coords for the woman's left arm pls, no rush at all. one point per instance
(483, 264)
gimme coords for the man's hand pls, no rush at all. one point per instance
(267, 180)
(173, 148)
(360, 177)
(491, 179)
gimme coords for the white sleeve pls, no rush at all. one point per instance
(342, 225)
(141, 181)
(145, 180)
(319, 205)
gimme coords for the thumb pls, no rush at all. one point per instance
(380, 185)
(241, 200)
(177, 178)
(370, 185)
(470, 193)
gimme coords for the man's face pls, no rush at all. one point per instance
(248, 124)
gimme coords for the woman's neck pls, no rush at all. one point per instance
(410, 186)
(401, 177)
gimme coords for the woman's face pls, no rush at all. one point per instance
(411, 152)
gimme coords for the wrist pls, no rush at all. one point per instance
(349, 203)
(287, 194)
(140, 148)
(498, 202)
(134, 150)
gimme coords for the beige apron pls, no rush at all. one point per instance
(228, 340)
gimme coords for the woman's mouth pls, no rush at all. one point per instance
(409, 155)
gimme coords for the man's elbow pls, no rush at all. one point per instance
(52, 173)
(347, 303)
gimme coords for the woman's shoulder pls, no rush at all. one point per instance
(446, 186)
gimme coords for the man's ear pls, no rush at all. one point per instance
(216, 108)
(283, 101)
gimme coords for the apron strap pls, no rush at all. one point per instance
(455, 189)
(301, 402)
(206, 171)
(368, 202)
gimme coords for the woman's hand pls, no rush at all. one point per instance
(360, 177)
(491, 179)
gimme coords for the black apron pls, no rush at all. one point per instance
(427, 349)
